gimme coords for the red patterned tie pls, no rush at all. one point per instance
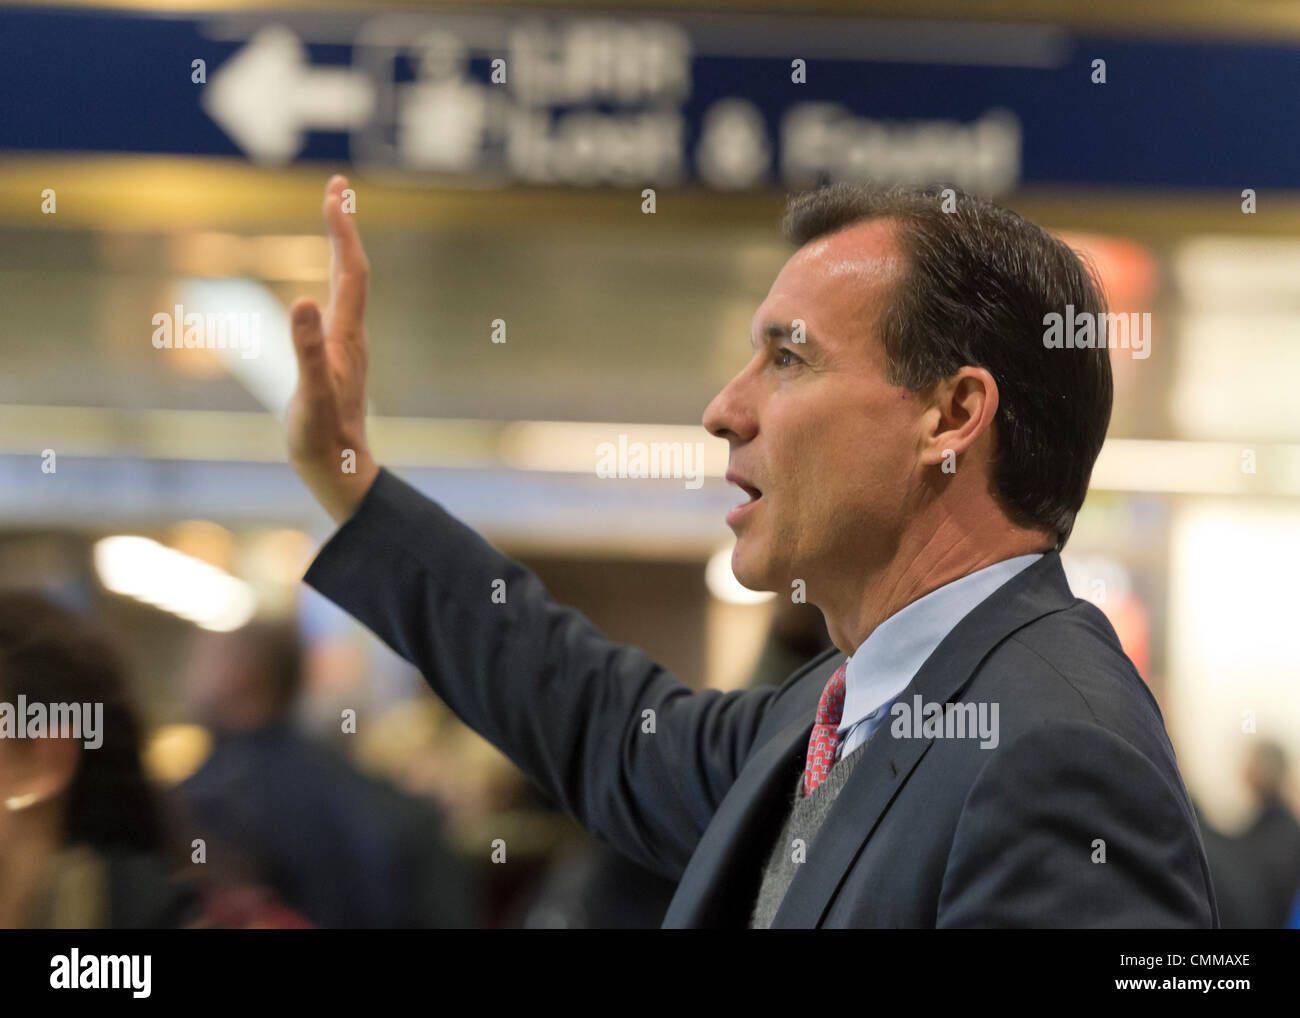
(821, 747)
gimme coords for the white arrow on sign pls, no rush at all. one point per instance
(267, 95)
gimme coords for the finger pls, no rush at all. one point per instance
(349, 267)
(309, 345)
(334, 188)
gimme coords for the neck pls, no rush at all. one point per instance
(922, 564)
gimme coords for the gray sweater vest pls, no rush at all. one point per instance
(806, 818)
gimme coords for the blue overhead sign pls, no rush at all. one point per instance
(732, 102)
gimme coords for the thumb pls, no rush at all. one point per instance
(309, 344)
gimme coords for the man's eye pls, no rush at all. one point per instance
(783, 352)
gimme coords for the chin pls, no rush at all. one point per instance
(750, 576)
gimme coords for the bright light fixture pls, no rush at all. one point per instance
(175, 582)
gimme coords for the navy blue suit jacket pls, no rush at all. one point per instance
(927, 831)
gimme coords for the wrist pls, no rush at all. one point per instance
(347, 489)
(338, 480)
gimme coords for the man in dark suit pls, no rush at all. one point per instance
(977, 750)
(283, 812)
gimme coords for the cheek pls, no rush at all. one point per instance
(865, 467)
(829, 459)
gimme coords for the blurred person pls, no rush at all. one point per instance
(1272, 839)
(82, 843)
(1257, 871)
(914, 450)
(282, 812)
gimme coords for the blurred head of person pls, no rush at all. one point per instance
(57, 793)
(901, 419)
(1265, 771)
(247, 679)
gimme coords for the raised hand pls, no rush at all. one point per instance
(326, 422)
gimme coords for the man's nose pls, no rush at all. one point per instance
(728, 415)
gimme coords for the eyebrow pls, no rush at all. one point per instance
(774, 332)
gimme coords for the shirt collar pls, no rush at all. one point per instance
(886, 662)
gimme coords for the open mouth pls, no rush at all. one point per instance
(753, 495)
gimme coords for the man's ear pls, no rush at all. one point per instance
(961, 408)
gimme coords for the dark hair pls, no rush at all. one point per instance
(274, 649)
(50, 655)
(1271, 759)
(979, 284)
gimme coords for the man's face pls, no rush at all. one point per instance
(814, 427)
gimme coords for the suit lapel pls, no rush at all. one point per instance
(888, 762)
(714, 889)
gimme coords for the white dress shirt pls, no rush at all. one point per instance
(890, 657)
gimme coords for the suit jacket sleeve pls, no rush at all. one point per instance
(1024, 852)
(538, 680)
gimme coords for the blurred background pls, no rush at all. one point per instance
(568, 247)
